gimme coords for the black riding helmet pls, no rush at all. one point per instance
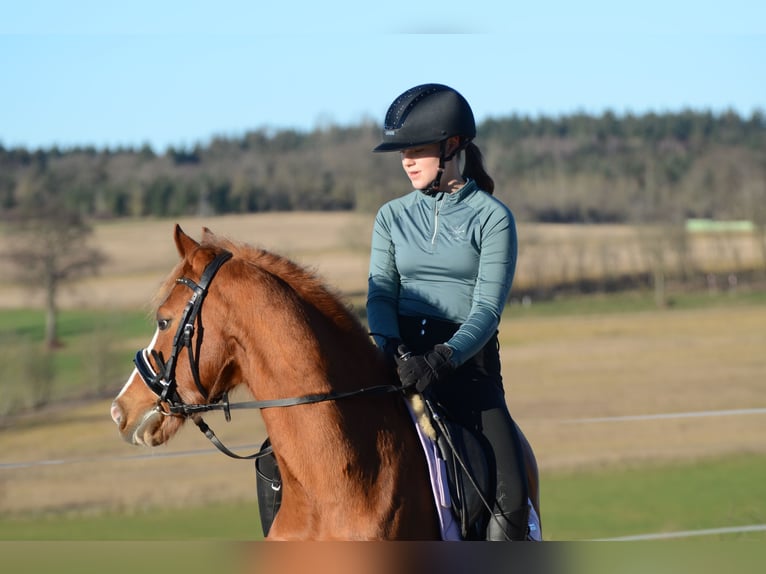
(426, 114)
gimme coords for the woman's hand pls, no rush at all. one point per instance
(422, 370)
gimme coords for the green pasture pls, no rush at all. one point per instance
(96, 354)
(584, 505)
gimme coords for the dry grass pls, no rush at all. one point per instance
(556, 369)
(568, 253)
(141, 252)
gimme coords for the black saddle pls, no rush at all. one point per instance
(470, 473)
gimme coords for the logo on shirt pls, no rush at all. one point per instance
(457, 232)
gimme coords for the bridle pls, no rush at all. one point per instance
(163, 384)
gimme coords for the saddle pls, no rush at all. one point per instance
(469, 473)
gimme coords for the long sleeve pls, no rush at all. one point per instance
(383, 281)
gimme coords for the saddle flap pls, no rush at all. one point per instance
(268, 485)
(470, 481)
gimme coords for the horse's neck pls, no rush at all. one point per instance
(285, 354)
(342, 432)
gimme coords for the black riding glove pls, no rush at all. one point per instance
(422, 370)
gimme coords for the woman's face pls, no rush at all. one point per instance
(421, 164)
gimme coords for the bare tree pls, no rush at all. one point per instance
(48, 248)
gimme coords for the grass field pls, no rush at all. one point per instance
(66, 475)
(586, 504)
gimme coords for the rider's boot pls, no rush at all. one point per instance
(509, 526)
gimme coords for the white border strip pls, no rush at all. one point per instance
(687, 533)
(731, 412)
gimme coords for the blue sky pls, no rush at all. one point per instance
(101, 73)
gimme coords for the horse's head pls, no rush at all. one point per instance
(174, 371)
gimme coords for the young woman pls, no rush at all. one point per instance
(441, 267)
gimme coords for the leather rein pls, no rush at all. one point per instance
(163, 382)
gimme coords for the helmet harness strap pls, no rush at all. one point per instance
(433, 187)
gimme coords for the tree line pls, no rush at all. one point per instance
(576, 168)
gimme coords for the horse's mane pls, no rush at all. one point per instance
(306, 283)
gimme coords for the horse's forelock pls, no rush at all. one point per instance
(209, 244)
(216, 242)
(166, 287)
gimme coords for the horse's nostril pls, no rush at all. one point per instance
(116, 413)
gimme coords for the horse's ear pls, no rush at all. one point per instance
(207, 235)
(184, 243)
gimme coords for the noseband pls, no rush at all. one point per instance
(163, 382)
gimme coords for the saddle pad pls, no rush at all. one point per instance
(437, 470)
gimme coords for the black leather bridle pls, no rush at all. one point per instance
(163, 381)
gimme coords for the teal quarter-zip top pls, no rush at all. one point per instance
(447, 256)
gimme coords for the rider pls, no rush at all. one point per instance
(441, 266)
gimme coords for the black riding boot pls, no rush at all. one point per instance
(509, 526)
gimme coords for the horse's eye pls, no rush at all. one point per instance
(163, 324)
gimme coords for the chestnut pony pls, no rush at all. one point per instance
(351, 463)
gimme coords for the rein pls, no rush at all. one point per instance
(193, 410)
(164, 384)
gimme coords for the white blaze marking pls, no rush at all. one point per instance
(135, 371)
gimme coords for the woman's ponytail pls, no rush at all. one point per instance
(474, 168)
